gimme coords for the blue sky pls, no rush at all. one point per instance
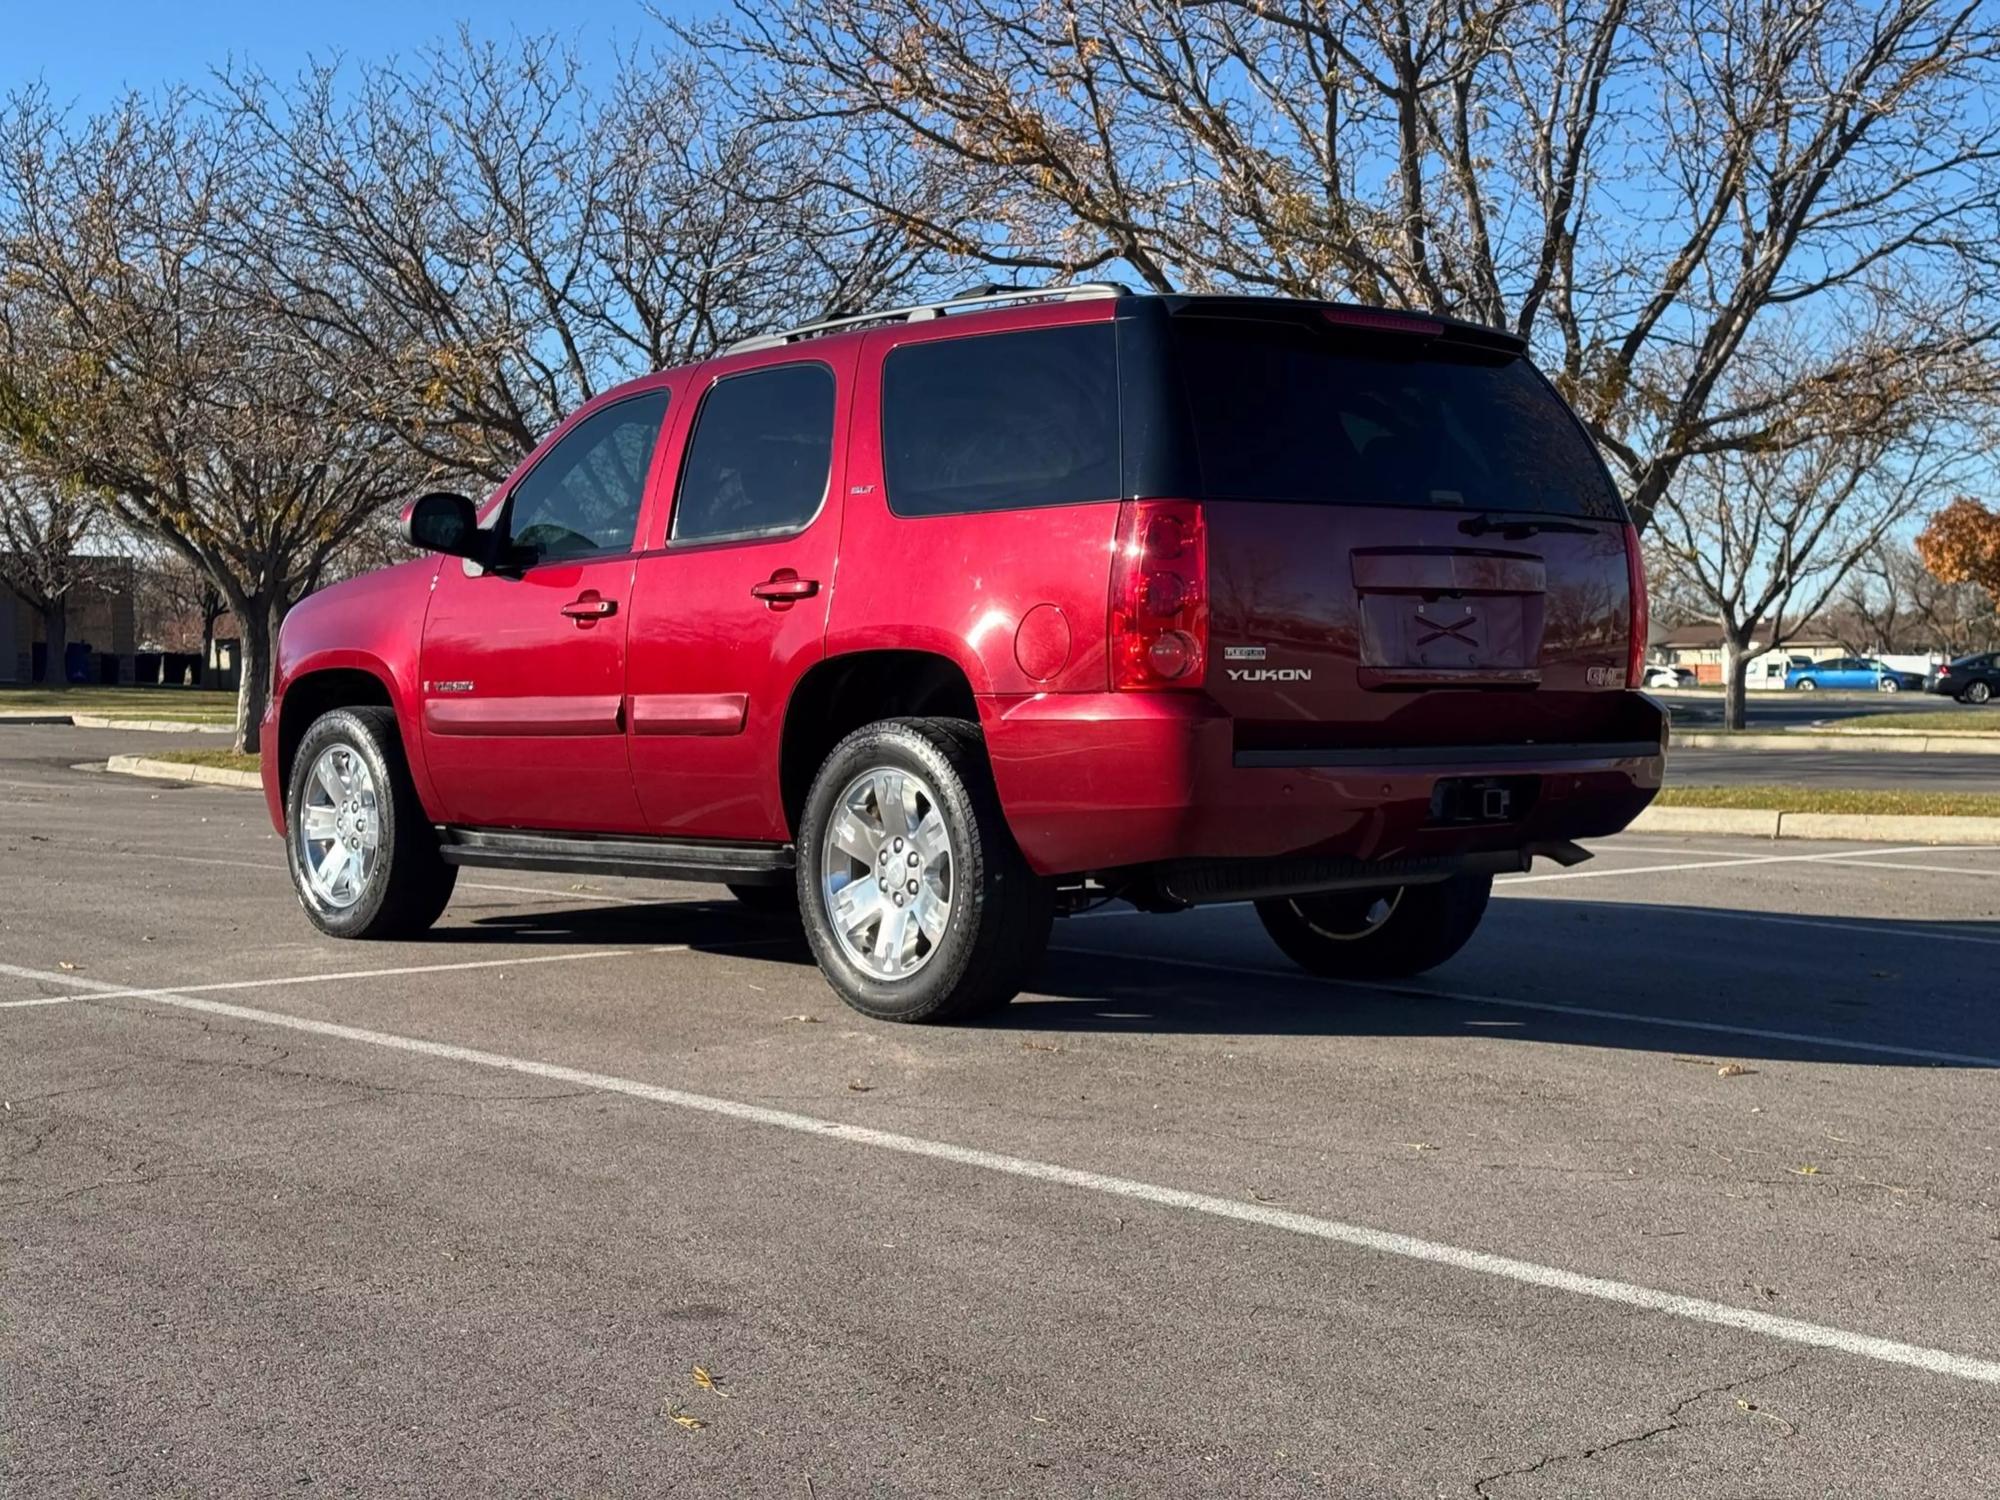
(90, 51)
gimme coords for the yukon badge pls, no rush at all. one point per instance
(1270, 674)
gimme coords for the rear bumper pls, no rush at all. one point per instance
(1102, 781)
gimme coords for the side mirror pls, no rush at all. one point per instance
(447, 523)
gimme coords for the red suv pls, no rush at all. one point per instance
(937, 622)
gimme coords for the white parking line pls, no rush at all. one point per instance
(1588, 1012)
(1381, 1242)
(1876, 864)
(334, 977)
(1901, 929)
(1737, 862)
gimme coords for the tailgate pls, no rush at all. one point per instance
(1412, 542)
(1356, 626)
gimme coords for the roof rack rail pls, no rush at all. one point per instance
(919, 312)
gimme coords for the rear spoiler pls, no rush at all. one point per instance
(1347, 314)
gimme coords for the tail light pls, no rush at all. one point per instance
(1641, 619)
(1159, 596)
(1944, 671)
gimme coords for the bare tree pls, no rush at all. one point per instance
(479, 244)
(1646, 192)
(134, 363)
(1912, 609)
(1770, 539)
(179, 605)
(43, 529)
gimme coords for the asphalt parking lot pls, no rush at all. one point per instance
(1681, 1180)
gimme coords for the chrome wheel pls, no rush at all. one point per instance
(339, 833)
(1979, 692)
(1347, 916)
(887, 873)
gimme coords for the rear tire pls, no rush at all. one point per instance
(915, 898)
(1806, 685)
(363, 855)
(1976, 694)
(1350, 934)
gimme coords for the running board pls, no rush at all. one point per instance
(593, 854)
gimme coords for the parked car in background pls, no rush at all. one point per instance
(1668, 677)
(1852, 674)
(1969, 679)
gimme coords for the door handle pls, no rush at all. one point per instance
(590, 608)
(784, 588)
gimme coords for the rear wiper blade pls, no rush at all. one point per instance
(1516, 530)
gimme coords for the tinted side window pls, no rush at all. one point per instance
(1001, 421)
(583, 497)
(760, 456)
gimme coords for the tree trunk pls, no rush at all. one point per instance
(257, 623)
(1735, 683)
(55, 631)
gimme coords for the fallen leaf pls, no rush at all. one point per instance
(1420, 1145)
(859, 1087)
(682, 1419)
(1808, 1170)
(1755, 1410)
(67, 968)
(809, 1020)
(708, 1382)
(1734, 1070)
(1264, 1197)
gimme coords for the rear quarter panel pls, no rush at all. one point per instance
(962, 586)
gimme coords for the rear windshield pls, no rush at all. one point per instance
(1293, 411)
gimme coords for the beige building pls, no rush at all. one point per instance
(1699, 649)
(100, 618)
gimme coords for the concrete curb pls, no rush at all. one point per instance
(94, 721)
(149, 726)
(1757, 822)
(174, 770)
(1893, 742)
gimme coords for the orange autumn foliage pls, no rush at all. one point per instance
(1961, 544)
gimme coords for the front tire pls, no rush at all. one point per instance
(1891, 685)
(1379, 934)
(363, 856)
(915, 898)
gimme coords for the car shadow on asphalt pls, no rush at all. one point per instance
(1785, 991)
